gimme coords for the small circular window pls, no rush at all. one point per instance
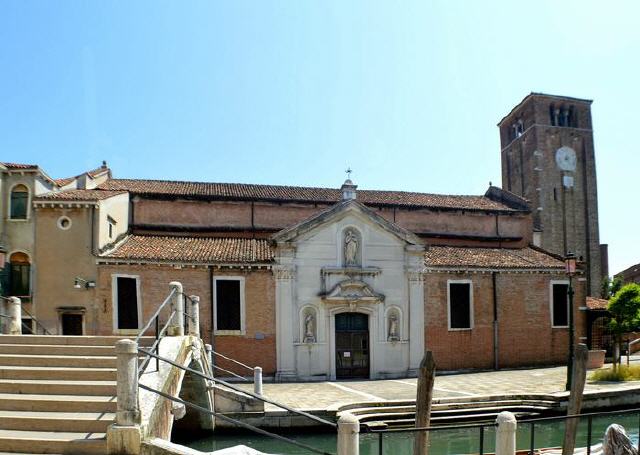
(64, 223)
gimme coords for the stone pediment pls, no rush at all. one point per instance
(352, 291)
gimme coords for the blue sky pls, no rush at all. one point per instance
(292, 92)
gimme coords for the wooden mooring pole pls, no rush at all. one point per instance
(426, 377)
(578, 379)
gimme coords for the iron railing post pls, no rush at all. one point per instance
(380, 450)
(589, 422)
(482, 440)
(532, 449)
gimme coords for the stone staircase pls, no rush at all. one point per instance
(401, 414)
(57, 393)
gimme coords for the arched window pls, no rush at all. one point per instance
(19, 272)
(19, 202)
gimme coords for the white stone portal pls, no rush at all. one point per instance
(348, 260)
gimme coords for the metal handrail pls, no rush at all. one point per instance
(155, 315)
(231, 373)
(531, 422)
(234, 421)
(38, 323)
(155, 318)
(33, 318)
(154, 347)
(238, 389)
(233, 360)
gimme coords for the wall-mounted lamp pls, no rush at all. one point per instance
(79, 282)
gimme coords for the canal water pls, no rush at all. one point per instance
(445, 442)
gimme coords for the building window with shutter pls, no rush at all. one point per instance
(229, 305)
(460, 304)
(559, 304)
(19, 203)
(127, 307)
(19, 275)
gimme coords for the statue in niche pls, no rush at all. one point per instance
(350, 248)
(392, 335)
(309, 328)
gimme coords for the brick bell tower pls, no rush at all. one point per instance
(548, 158)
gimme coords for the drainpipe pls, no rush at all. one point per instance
(213, 331)
(495, 322)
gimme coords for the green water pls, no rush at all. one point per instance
(465, 441)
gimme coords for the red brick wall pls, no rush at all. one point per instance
(154, 282)
(525, 335)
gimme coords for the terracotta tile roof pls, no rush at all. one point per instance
(64, 181)
(301, 194)
(78, 195)
(193, 249)
(498, 258)
(597, 304)
(19, 166)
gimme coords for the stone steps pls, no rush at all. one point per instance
(402, 413)
(57, 387)
(84, 340)
(90, 422)
(57, 393)
(53, 442)
(70, 361)
(57, 373)
(57, 349)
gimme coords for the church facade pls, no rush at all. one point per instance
(312, 283)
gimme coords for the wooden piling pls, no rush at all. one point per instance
(578, 380)
(426, 377)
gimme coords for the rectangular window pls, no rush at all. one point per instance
(229, 305)
(112, 224)
(19, 202)
(460, 305)
(126, 304)
(19, 280)
(559, 304)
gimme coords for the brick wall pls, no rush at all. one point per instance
(154, 287)
(525, 335)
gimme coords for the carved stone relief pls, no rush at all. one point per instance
(309, 326)
(393, 322)
(352, 248)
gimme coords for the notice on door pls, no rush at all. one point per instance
(346, 354)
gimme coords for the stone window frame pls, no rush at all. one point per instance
(243, 326)
(471, 318)
(114, 303)
(9, 203)
(551, 284)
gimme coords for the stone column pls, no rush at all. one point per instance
(348, 435)
(194, 316)
(416, 319)
(14, 307)
(285, 295)
(177, 304)
(124, 436)
(506, 433)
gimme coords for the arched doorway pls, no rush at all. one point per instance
(352, 345)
